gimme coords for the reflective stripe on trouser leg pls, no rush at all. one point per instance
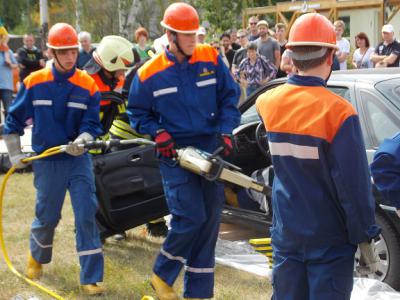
(185, 202)
(195, 205)
(50, 194)
(199, 275)
(84, 203)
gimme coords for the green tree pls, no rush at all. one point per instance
(17, 15)
(220, 14)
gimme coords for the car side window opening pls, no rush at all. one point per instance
(250, 115)
(343, 92)
(390, 89)
(382, 122)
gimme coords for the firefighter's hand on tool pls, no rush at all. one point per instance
(226, 143)
(77, 147)
(13, 144)
(16, 161)
(165, 144)
(369, 259)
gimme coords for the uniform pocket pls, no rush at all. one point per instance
(173, 188)
(206, 93)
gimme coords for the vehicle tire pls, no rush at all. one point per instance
(392, 240)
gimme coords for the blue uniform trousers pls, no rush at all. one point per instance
(52, 179)
(306, 273)
(195, 205)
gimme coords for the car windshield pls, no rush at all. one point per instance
(390, 89)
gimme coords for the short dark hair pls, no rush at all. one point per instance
(363, 36)
(305, 65)
(225, 34)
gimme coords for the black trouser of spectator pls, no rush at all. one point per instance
(6, 98)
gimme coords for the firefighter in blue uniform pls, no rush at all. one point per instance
(185, 96)
(64, 104)
(322, 202)
(385, 171)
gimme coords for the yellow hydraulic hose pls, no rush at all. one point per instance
(48, 152)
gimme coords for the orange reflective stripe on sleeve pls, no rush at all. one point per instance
(43, 75)
(311, 111)
(154, 66)
(83, 80)
(204, 53)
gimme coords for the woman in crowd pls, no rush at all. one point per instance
(141, 37)
(361, 56)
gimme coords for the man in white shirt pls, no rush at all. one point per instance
(342, 43)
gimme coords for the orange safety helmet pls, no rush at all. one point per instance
(181, 17)
(62, 36)
(312, 29)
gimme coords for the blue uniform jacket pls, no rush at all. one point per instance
(322, 191)
(62, 106)
(385, 170)
(195, 98)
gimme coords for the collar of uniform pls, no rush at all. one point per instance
(306, 80)
(173, 58)
(170, 55)
(58, 76)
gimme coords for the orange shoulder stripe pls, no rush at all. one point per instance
(204, 53)
(155, 65)
(100, 84)
(83, 80)
(312, 111)
(38, 77)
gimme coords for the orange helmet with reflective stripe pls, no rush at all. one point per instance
(62, 36)
(181, 17)
(312, 29)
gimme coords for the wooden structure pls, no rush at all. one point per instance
(330, 8)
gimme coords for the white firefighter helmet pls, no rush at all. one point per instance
(114, 53)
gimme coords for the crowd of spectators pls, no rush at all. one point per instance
(255, 55)
(270, 59)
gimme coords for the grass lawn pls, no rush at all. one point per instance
(128, 264)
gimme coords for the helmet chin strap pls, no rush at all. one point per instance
(111, 82)
(59, 63)
(175, 41)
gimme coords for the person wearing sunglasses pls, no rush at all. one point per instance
(253, 29)
(242, 52)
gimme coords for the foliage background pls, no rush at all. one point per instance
(104, 17)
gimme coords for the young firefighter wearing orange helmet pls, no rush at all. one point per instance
(185, 96)
(322, 202)
(64, 105)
